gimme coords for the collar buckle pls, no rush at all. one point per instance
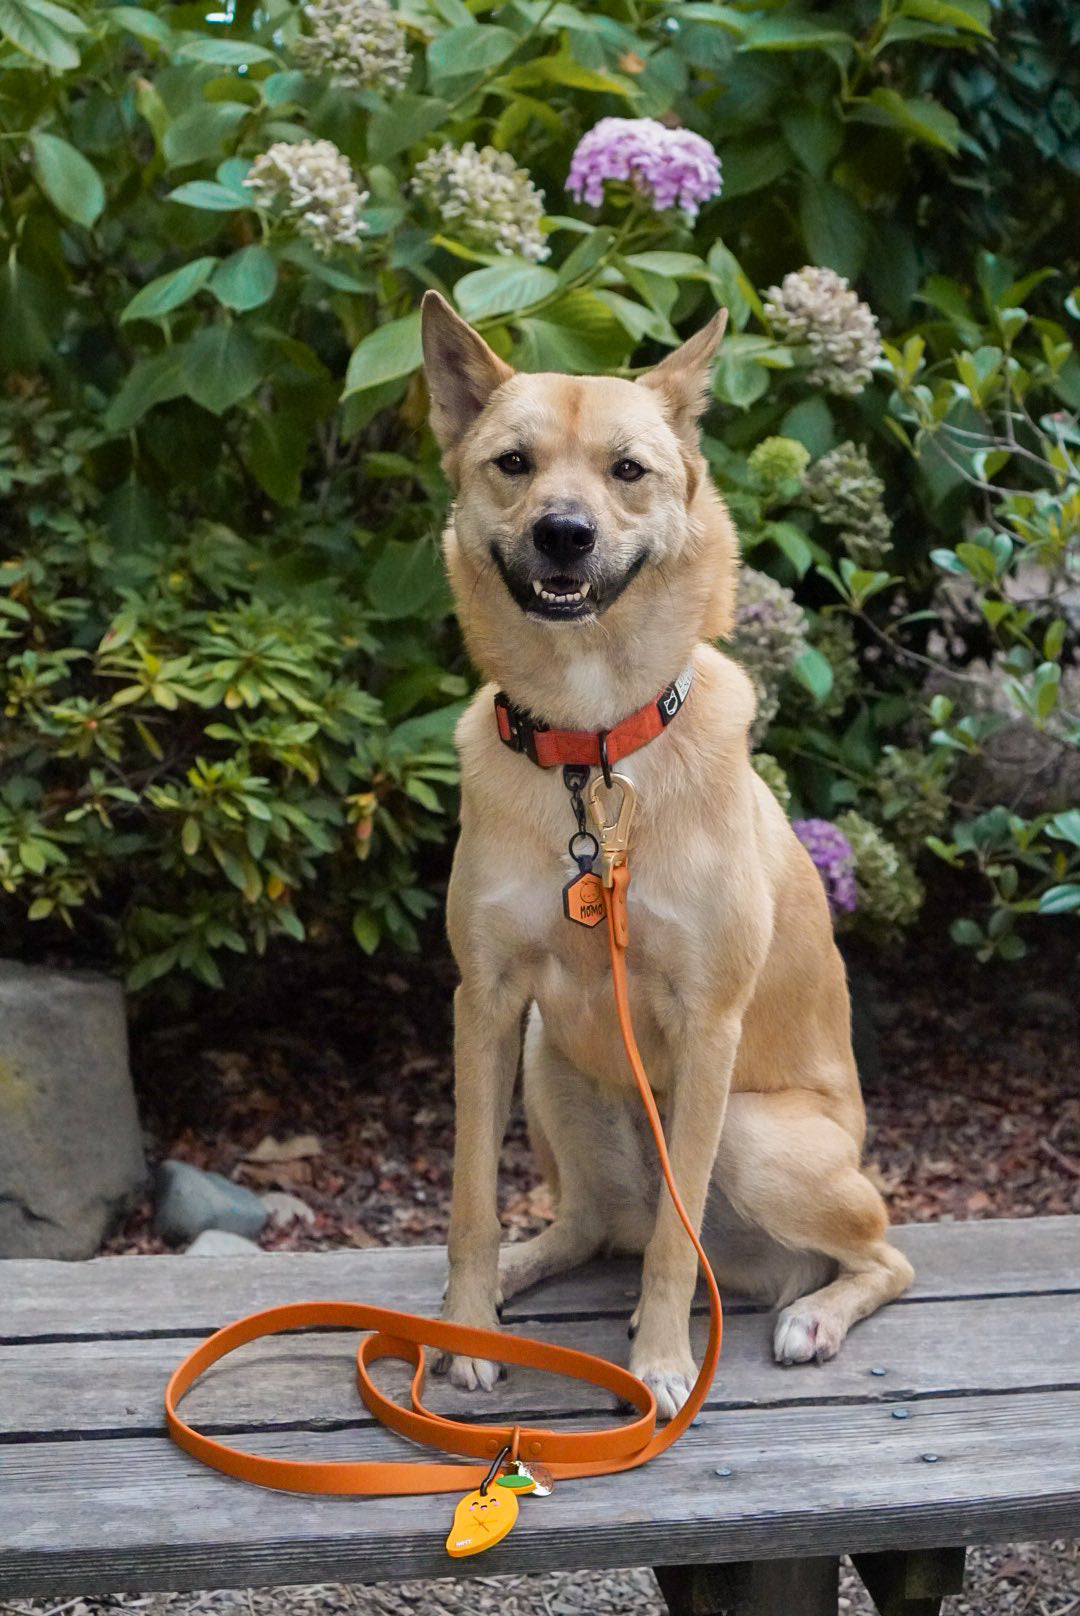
(517, 729)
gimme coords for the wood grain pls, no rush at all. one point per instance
(80, 1516)
(171, 1295)
(1007, 1344)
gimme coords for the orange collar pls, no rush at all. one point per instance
(555, 748)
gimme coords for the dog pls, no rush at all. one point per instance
(592, 562)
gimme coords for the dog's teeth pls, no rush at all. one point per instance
(585, 590)
(538, 588)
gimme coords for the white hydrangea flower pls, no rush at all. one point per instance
(817, 309)
(357, 42)
(311, 186)
(484, 199)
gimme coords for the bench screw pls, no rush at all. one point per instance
(722, 1471)
(901, 1414)
(930, 1458)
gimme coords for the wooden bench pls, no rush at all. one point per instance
(951, 1418)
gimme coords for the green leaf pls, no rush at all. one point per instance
(42, 31)
(149, 382)
(786, 31)
(738, 379)
(565, 69)
(405, 577)
(201, 132)
(469, 49)
(390, 351)
(504, 288)
(752, 163)
(403, 123)
(225, 52)
(72, 185)
(578, 334)
(922, 119)
(966, 933)
(276, 454)
(221, 366)
(366, 930)
(814, 673)
(834, 227)
(169, 291)
(791, 539)
(145, 25)
(814, 133)
(211, 196)
(969, 16)
(638, 321)
(1061, 900)
(246, 280)
(1067, 826)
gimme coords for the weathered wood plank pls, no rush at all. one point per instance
(138, 1295)
(739, 1486)
(1007, 1344)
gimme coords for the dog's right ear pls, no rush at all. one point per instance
(462, 372)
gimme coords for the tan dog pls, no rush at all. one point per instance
(592, 562)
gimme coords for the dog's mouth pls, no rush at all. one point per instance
(559, 597)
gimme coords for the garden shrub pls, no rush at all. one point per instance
(230, 676)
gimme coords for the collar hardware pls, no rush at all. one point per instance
(551, 748)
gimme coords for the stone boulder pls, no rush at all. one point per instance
(71, 1156)
(189, 1201)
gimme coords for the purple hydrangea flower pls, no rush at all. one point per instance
(673, 167)
(832, 854)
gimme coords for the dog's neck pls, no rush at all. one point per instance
(585, 679)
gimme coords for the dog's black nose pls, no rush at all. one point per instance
(563, 536)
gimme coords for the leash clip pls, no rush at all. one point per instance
(614, 834)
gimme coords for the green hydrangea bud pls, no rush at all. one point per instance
(890, 894)
(913, 796)
(846, 492)
(776, 461)
(774, 777)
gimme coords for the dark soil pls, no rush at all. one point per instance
(971, 1075)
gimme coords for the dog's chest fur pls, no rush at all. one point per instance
(686, 906)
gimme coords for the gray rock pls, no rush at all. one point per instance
(222, 1243)
(71, 1154)
(284, 1208)
(189, 1201)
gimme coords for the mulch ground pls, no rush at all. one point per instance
(971, 1076)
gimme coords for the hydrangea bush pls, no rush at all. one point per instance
(229, 672)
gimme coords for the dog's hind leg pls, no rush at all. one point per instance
(794, 1172)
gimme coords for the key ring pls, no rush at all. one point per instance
(584, 861)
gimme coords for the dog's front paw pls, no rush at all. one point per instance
(671, 1380)
(806, 1335)
(469, 1374)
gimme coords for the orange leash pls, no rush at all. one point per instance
(405, 1335)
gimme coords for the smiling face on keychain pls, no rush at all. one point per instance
(481, 1520)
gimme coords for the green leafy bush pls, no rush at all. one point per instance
(230, 677)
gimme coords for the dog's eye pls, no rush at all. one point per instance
(513, 464)
(628, 471)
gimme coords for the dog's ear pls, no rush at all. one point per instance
(462, 372)
(682, 379)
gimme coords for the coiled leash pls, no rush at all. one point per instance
(513, 1458)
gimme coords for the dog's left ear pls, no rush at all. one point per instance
(682, 379)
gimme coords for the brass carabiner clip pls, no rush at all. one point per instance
(613, 835)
